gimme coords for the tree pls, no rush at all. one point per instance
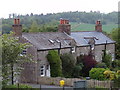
(115, 34)
(11, 57)
(88, 63)
(68, 63)
(55, 63)
(34, 27)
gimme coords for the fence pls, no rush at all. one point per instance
(100, 84)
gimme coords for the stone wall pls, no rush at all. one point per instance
(56, 81)
(98, 51)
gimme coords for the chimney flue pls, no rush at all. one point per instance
(15, 21)
(98, 26)
(18, 21)
(64, 26)
(17, 28)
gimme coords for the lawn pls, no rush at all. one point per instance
(91, 27)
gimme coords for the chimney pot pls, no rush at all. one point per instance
(18, 21)
(15, 21)
(98, 26)
(64, 26)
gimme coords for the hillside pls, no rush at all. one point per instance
(90, 27)
(109, 20)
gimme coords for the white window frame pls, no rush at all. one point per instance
(92, 47)
(42, 70)
(113, 57)
(73, 49)
(24, 52)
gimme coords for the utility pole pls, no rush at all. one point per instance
(105, 48)
(59, 48)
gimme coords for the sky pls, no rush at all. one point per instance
(54, 6)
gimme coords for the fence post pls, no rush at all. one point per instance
(40, 86)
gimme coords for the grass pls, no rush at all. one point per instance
(91, 27)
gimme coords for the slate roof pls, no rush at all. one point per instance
(81, 41)
(48, 40)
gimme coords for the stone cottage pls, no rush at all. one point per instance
(65, 41)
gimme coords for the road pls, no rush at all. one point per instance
(50, 87)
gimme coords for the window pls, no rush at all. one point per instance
(73, 49)
(47, 67)
(23, 52)
(92, 47)
(42, 70)
(113, 57)
(47, 70)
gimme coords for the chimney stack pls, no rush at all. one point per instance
(64, 26)
(98, 26)
(17, 28)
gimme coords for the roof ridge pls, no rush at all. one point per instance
(83, 31)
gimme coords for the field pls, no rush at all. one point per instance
(91, 27)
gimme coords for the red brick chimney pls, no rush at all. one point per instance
(98, 26)
(64, 26)
(17, 28)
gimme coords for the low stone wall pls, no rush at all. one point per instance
(56, 81)
(70, 82)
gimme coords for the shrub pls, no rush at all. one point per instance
(88, 63)
(117, 79)
(107, 59)
(116, 63)
(55, 63)
(101, 65)
(109, 74)
(76, 70)
(68, 63)
(97, 73)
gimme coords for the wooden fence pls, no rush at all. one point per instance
(100, 84)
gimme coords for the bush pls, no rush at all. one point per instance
(68, 63)
(109, 74)
(97, 73)
(101, 65)
(107, 59)
(88, 63)
(117, 79)
(55, 63)
(76, 70)
(116, 63)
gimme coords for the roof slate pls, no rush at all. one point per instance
(81, 41)
(50, 40)
(42, 40)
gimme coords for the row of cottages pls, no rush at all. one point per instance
(65, 41)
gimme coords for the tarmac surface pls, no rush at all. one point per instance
(49, 87)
